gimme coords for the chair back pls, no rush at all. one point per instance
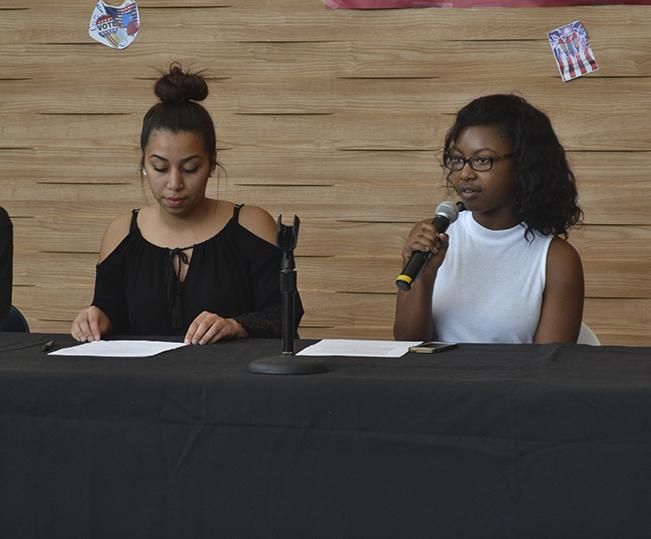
(16, 321)
(587, 336)
(6, 266)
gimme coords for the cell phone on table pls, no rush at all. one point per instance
(432, 347)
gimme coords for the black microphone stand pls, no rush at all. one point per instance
(287, 362)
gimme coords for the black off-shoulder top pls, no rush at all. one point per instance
(234, 274)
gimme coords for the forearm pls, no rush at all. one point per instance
(413, 320)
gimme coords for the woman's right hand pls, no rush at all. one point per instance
(424, 237)
(90, 324)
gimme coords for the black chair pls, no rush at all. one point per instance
(6, 264)
(16, 321)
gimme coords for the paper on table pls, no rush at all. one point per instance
(353, 347)
(118, 348)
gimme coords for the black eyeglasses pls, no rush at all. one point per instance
(479, 163)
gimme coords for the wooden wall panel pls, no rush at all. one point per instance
(351, 131)
(337, 116)
(252, 20)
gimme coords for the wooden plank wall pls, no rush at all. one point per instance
(333, 115)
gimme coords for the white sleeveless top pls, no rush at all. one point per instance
(490, 286)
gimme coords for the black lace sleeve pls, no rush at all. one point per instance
(266, 320)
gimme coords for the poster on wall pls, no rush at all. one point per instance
(571, 47)
(115, 26)
(401, 4)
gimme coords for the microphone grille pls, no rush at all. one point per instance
(448, 210)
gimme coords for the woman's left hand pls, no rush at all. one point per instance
(210, 327)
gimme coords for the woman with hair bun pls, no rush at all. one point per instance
(187, 265)
(504, 271)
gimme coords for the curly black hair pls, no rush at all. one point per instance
(546, 195)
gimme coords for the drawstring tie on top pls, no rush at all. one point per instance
(174, 285)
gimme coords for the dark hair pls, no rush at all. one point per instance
(546, 196)
(177, 110)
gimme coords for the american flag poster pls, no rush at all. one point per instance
(572, 50)
(401, 4)
(115, 26)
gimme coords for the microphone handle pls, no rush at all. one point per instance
(441, 223)
(414, 265)
(418, 259)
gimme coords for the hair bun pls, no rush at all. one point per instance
(177, 87)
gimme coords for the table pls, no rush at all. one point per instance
(482, 441)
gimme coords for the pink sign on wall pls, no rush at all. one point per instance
(398, 4)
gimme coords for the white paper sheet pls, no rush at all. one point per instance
(118, 348)
(362, 348)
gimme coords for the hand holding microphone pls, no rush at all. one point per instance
(423, 238)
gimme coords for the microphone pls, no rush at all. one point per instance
(445, 214)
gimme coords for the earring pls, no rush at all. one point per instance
(144, 172)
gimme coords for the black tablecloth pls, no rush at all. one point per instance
(482, 441)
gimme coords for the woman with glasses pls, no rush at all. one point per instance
(503, 271)
(188, 265)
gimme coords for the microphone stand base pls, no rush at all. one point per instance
(287, 364)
